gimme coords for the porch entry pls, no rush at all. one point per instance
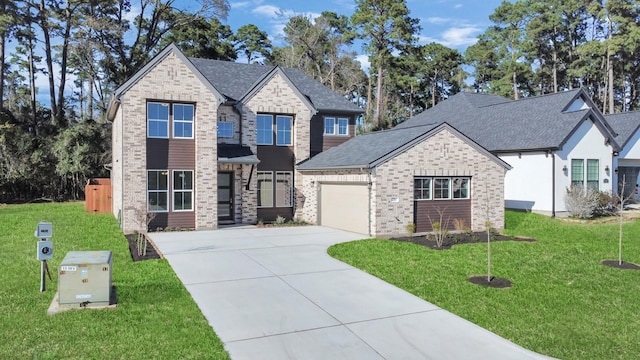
(225, 196)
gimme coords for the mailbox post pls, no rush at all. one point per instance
(44, 231)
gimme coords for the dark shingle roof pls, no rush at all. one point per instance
(624, 124)
(500, 124)
(364, 150)
(234, 80)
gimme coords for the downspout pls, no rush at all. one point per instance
(122, 207)
(553, 185)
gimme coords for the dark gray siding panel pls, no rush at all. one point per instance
(426, 212)
(171, 154)
(184, 219)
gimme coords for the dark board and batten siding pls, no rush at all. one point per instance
(321, 142)
(426, 212)
(172, 154)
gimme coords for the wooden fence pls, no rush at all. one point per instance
(97, 194)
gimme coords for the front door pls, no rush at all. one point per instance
(225, 196)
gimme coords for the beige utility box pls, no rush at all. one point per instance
(84, 277)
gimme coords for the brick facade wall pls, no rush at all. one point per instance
(277, 97)
(169, 80)
(443, 154)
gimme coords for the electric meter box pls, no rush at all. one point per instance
(84, 277)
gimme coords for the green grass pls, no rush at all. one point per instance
(564, 303)
(155, 318)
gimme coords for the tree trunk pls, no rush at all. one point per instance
(32, 89)
(44, 25)
(377, 113)
(59, 116)
(610, 69)
(2, 42)
(369, 99)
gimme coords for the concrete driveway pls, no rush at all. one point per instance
(274, 293)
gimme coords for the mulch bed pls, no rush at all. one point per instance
(468, 238)
(459, 238)
(498, 283)
(150, 254)
(624, 265)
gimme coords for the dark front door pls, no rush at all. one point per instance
(225, 196)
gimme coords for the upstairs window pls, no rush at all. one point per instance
(225, 129)
(283, 130)
(336, 126)
(157, 120)
(264, 124)
(183, 121)
(160, 115)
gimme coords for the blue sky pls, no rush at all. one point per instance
(453, 23)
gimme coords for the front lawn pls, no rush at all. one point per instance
(156, 317)
(563, 302)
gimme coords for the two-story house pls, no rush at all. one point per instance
(200, 143)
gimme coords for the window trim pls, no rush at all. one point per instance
(163, 104)
(346, 127)
(174, 121)
(291, 189)
(259, 189)
(168, 207)
(174, 190)
(289, 130)
(450, 191)
(258, 116)
(336, 126)
(232, 129)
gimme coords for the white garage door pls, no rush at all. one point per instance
(345, 206)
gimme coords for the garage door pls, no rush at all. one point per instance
(345, 206)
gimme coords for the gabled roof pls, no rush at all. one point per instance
(502, 125)
(232, 82)
(625, 125)
(236, 80)
(370, 150)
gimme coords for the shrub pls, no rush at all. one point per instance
(438, 234)
(607, 204)
(411, 229)
(280, 220)
(581, 202)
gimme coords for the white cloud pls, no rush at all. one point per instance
(278, 18)
(244, 4)
(457, 6)
(364, 62)
(462, 36)
(438, 20)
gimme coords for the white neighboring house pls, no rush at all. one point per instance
(627, 164)
(551, 142)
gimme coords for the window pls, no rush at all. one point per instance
(284, 189)
(591, 174)
(577, 172)
(157, 190)
(441, 188)
(264, 125)
(182, 190)
(265, 189)
(157, 120)
(333, 126)
(183, 121)
(422, 188)
(460, 187)
(225, 129)
(593, 180)
(283, 130)
(329, 126)
(343, 126)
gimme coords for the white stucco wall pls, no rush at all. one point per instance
(529, 184)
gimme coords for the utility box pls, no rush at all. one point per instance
(84, 277)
